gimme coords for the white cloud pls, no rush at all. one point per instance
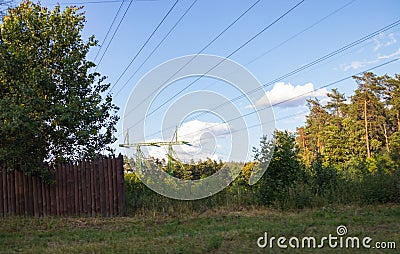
(378, 45)
(287, 95)
(203, 138)
(391, 41)
(381, 42)
(195, 128)
(357, 64)
(353, 65)
(360, 64)
(390, 55)
(384, 41)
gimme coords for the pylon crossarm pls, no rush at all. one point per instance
(140, 157)
(157, 144)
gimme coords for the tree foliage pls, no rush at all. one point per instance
(362, 129)
(282, 170)
(53, 108)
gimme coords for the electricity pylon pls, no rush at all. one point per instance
(140, 157)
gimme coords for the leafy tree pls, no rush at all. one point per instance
(246, 172)
(52, 107)
(199, 170)
(283, 169)
(323, 178)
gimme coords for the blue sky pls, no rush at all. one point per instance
(312, 30)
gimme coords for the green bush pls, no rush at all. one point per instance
(381, 188)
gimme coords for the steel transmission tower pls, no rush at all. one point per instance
(171, 154)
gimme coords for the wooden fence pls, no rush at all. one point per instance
(84, 188)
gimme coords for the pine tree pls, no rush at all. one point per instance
(336, 106)
(311, 136)
(335, 138)
(368, 108)
(392, 100)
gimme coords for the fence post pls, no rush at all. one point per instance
(65, 186)
(48, 198)
(80, 182)
(106, 186)
(110, 186)
(12, 191)
(120, 178)
(88, 189)
(1, 196)
(93, 189)
(70, 190)
(35, 196)
(16, 191)
(114, 182)
(40, 196)
(44, 200)
(100, 171)
(21, 193)
(30, 196)
(26, 194)
(4, 193)
(57, 189)
(53, 198)
(76, 187)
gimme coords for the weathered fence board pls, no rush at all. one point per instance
(87, 188)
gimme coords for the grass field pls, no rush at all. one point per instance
(213, 231)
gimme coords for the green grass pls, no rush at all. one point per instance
(213, 231)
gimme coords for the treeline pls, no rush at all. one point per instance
(348, 152)
(363, 131)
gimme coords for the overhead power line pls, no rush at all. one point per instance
(284, 101)
(327, 56)
(158, 45)
(109, 30)
(100, 2)
(231, 54)
(202, 50)
(319, 60)
(263, 54)
(144, 45)
(115, 32)
(301, 32)
(298, 96)
(259, 124)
